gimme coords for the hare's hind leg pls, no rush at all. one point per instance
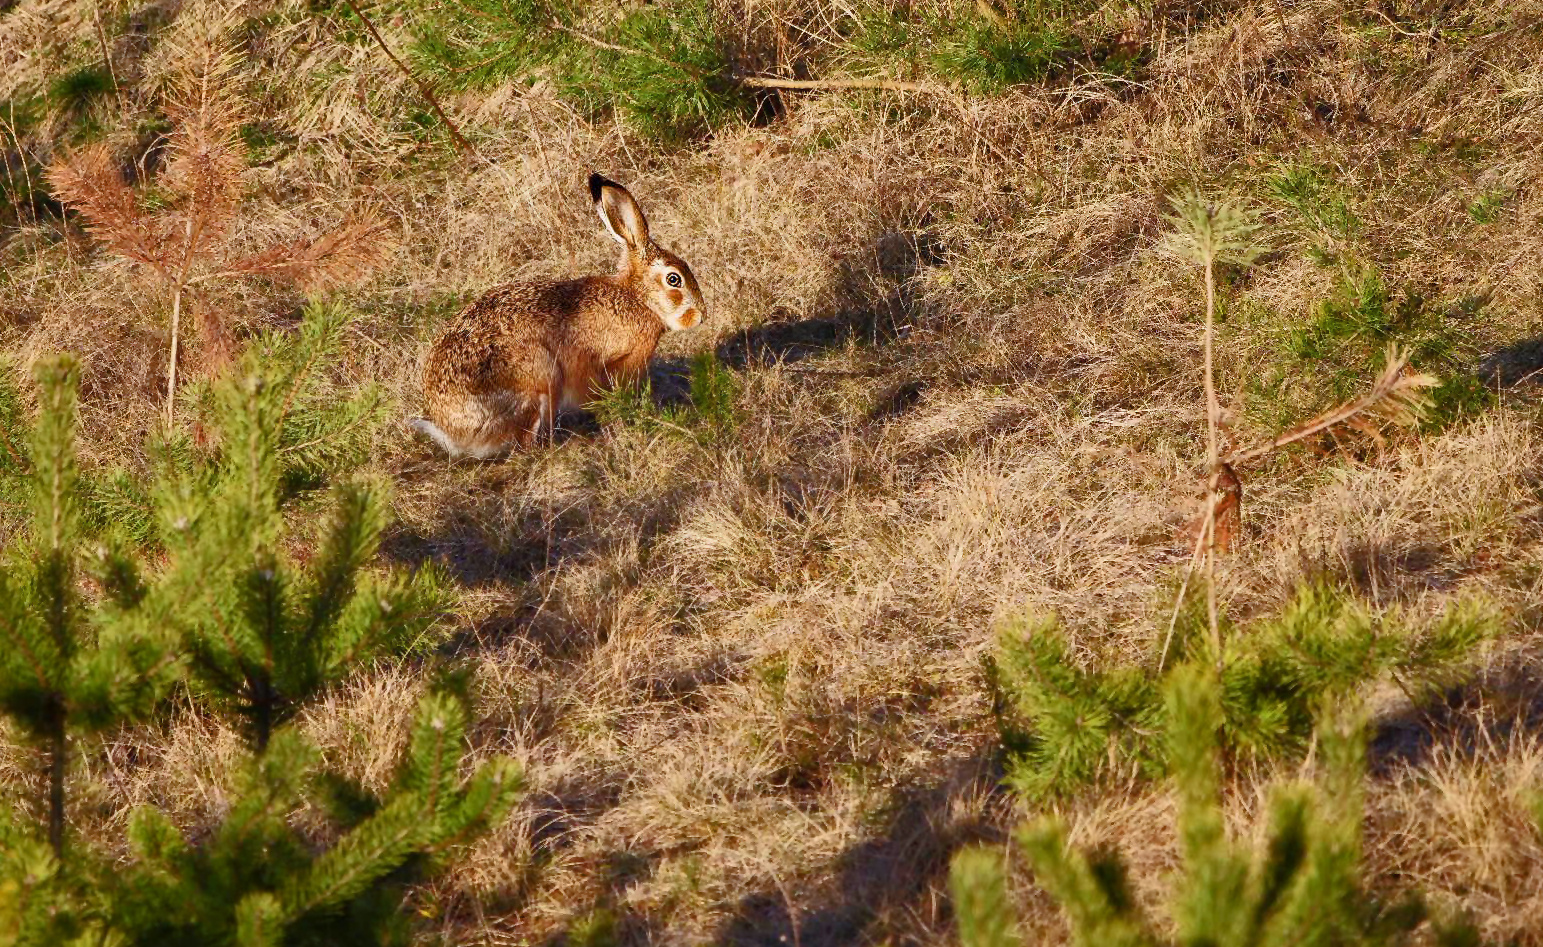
(545, 419)
(502, 408)
(516, 422)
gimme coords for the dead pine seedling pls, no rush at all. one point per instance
(184, 241)
(1214, 233)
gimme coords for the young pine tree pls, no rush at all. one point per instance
(257, 635)
(1065, 724)
(184, 244)
(1304, 885)
(266, 630)
(256, 881)
(66, 668)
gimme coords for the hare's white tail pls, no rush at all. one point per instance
(425, 426)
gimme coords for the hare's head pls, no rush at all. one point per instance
(662, 279)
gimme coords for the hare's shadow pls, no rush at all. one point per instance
(873, 301)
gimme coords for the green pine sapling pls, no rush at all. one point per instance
(66, 667)
(254, 633)
(1065, 723)
(264, 631)
(257, 881)
(1303, 885)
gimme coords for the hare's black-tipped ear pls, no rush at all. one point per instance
(619, 212)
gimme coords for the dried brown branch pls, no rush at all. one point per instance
(219, 346)
(205, 163)
(344, 254)
(1224, 509)
(89, 181)
(1396, 397)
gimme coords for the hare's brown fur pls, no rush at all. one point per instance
(500, 372)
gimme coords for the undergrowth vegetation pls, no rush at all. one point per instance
(1111, 451)
(1302, 884)
(1064, 725)
(252, 639)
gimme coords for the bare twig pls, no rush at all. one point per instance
(1189, 572)
(176, 326)
(107, 59)
(461, 144)
(1213, 456)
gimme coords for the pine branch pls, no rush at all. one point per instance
(1073, 879)
(56, 505)
(843, 83)
(1395, 395)
(351, 540)
(89, 181)
(345, 254)
(273, 783)
(260, 921)
(370, 851)
(153, 838)
(386, 614)
(438, 728)
(205, 163)
(758, 82)
(37, 652)
(487, 796)
(599, 43)
(981, 906)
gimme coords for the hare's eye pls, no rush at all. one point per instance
(673, 279)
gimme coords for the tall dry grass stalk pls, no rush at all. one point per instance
(188, 242)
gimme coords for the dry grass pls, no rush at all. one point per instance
(745, 677)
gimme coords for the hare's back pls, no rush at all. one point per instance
(506, 339)
(525, 308)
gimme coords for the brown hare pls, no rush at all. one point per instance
(498, 375)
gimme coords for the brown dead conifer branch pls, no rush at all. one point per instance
(186, 244)
(347, 253)
(88, 180)
(218, 344)
(204, 163)
(1396, 397)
